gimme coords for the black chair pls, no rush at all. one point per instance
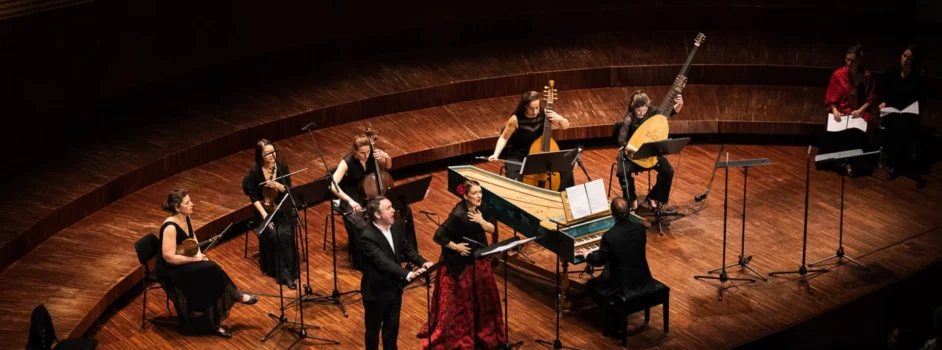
(42, 334)
(616, 127)
(147, 249)
(660, 295)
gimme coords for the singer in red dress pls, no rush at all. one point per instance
(453, 302)
(850, 94)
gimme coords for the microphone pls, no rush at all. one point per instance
(700, 197)
(308, 126)
(809, 151)
(577, 149)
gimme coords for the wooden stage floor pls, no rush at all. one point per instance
(890, 226)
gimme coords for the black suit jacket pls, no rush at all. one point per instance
(622, 252)
(383, 274)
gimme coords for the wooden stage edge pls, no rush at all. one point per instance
(893, 236)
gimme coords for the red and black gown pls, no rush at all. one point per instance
(847, 98)
(452, 309)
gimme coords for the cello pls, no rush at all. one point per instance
(545, 143)
(656, 127)
(379, 181)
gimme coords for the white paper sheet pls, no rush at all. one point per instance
(911, 109)
(847, 122)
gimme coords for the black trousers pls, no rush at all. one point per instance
(382, 315)
(354, 224)
(616, 321)
(661, 190)
(900, 142)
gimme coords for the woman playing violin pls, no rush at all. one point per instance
(277, 256)
(203, 291)
(351, 171)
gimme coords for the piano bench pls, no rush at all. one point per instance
(660, 295)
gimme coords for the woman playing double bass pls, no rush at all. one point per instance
(524, 127)
(350, 173)
(277, 256)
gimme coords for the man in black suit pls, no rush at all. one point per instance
(382, 250)
(626, 266)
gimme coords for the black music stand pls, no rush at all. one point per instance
(556, 343)
(654, 149)
(723, 277)
(408, 193)
(744, 260)
(803, 271)
(428, 292)
(312, 193)
(824, 161)
(282, 319)
(548, 163)
(503, 247)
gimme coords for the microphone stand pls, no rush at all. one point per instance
(802, 270)
(578, 160)
(335, 295)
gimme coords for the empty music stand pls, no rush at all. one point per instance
(744, 260)
(548, 163)
(661, 148)
(824, 161)
(503, 247)
(723, 277)
(312, 193)
(408, 193)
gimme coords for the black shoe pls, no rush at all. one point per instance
(223, 334)
(668, 210)
(252, 300)
(292, 286)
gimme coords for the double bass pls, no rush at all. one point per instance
(379, 181)
(656, 127)
(545, 143)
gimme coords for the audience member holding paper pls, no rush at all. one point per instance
(903, 93)
(848, 99)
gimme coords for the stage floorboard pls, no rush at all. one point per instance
(890, 226)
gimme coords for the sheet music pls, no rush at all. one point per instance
(508, 246)
(911, 109)
(587, 199)
(578, 201)
(847, 122)
(598, 201)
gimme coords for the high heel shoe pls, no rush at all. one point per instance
(223, 333)
(252, 300)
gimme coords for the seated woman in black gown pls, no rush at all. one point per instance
(904, 85)
(277, 256)
(203, 291)
(456, 296)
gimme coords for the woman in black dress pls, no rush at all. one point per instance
(524, 127)
(464, 284)
(350, 172)
(203, 291)
(277, 256)
(904, 85)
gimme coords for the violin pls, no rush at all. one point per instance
(189, 247)
(379, 181)
(269, 193)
